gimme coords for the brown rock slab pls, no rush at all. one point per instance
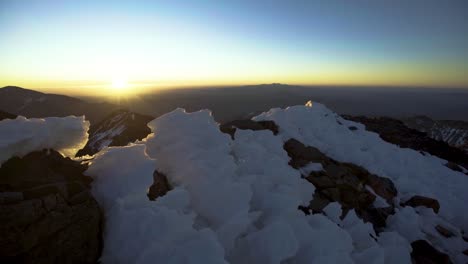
(418, 200)
(425, 253)
(444, 231)
(159, 187)
(47, 214)
(247, 124)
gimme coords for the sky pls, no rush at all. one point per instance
(89, 45)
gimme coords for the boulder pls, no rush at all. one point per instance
(444, 231)
(418, 200)
(425, 253)
(159, 187)
(47, 213)
(230, 127)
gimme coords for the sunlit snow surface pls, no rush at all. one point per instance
(236, 201)
(20, 136)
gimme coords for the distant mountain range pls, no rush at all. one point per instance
(454, 132)
(227, 104)
(19, 101)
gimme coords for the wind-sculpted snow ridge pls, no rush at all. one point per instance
(232, 201)
(412, 172)
(21, 136)
(138, 230)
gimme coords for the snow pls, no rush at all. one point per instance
(20, 136)
(138, 230)
(235, 201)
(412, 172)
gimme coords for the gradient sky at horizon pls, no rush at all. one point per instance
(86, 44)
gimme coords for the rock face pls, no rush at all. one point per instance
(159, 187)
(418, 200)
(230, 127)
(118, 129)
(47, 214)
(424, 253)
(5, 115)
(396, 132)
(346, 183)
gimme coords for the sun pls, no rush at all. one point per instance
(120, 85)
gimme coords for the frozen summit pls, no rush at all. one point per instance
(294, 185)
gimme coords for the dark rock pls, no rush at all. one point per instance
(230, 127)
(383, 187)
(301, 155)
(444, 231)
(465, 252)
(425, 253)
(376, 216)
(47, 214)
(418, 200)
(5, 115)
(304, 209)
(352, 128)
(453, 166)
(159, 187)
(318, 202)
(344, 183)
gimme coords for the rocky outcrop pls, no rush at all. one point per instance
(118, 129)
(47, 214)
(396, 132)
(418, 200)
(350, 185)
(159, 187)
(230, 127)
(425, 253)
(5, 115)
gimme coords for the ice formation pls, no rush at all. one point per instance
(20, 136)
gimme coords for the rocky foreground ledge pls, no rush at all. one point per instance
(295, 185)
(47, 212)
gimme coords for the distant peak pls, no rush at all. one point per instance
(13, 87)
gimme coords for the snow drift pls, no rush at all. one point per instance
(235, 201)
(20, 136)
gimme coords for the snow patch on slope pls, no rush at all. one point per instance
(233, 200)
(412, 172)
(139, 230)
(20, 136)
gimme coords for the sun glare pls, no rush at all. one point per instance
(120, 86)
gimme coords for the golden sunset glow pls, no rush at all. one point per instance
(120, 85)
(101, 48)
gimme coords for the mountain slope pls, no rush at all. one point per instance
(117, 129)
(455, 133)
(29, 103)
(396, 132)
(294, 185)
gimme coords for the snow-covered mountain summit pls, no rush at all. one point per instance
(293, 185)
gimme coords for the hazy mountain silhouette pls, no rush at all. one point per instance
(230, 103)
(29, 103)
